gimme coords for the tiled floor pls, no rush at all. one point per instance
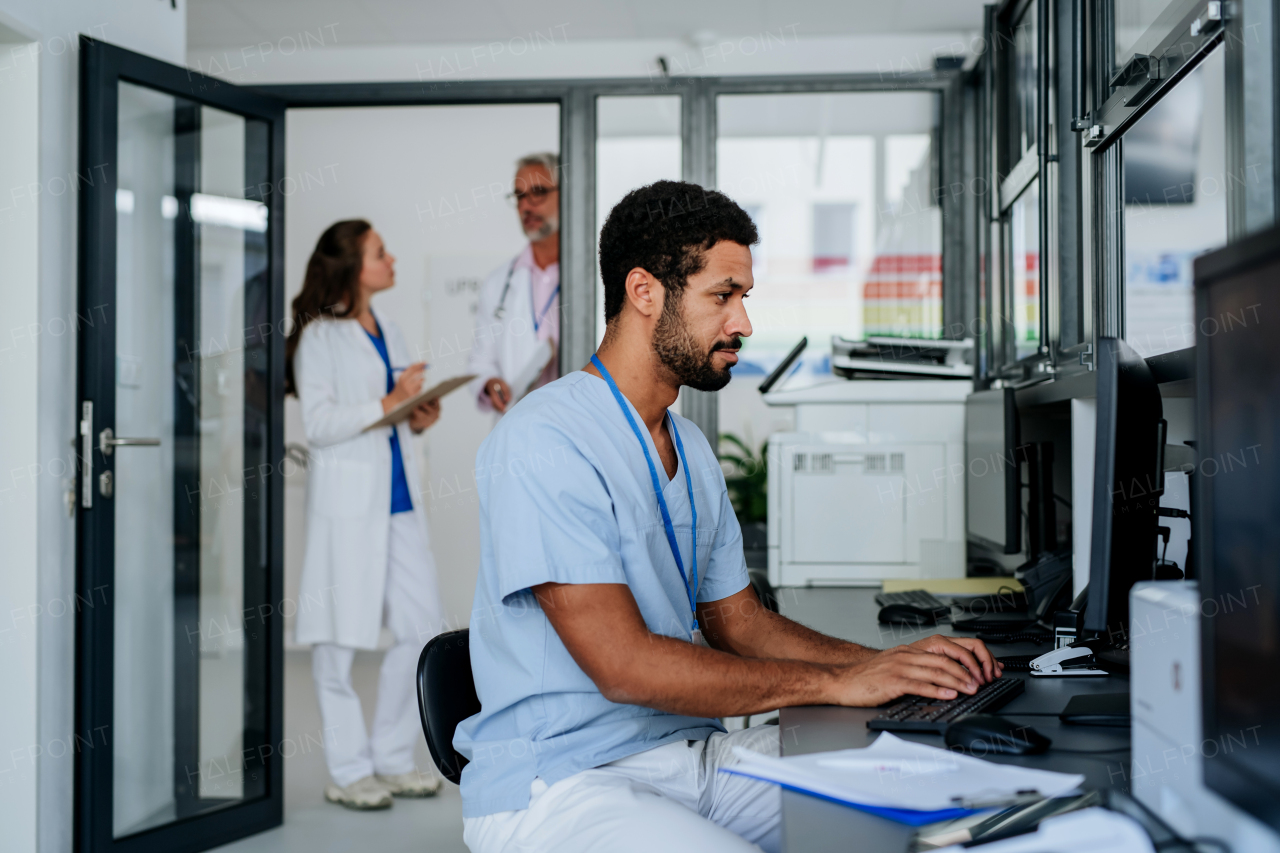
(312, 825)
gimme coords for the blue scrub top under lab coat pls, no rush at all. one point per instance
(401, 501)
(565, 496)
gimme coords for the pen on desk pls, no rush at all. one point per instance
(1029, 795)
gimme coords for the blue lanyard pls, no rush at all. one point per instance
(539, 318)
(657, 490)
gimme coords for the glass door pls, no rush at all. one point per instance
(179, 671)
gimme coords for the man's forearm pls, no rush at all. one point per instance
(715, 683)
(762, 633)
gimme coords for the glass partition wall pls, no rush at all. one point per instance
(1175, 206)
(1120, 150)
(637, 142)
(841, 188)
(1021, 126)
(1158, 133)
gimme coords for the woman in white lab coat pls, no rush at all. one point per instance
(367, 555)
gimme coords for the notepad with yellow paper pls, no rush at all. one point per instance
(955, 586)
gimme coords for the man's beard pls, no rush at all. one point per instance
(549, 226)
(682, 355)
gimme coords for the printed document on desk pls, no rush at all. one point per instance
(895, 774)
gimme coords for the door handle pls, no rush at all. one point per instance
(86, 454)
(107, 442)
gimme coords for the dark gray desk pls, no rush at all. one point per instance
(811, 825)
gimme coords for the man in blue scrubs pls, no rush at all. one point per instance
(613, 618)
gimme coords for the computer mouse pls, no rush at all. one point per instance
(985, 734)
(908, 614)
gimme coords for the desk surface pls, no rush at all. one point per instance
(811, 825)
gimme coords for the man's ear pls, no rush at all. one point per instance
(644, 292)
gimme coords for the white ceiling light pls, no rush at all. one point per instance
(231, 212)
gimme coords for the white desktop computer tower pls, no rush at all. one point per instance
(1167, 770)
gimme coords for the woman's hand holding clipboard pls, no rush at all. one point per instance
(401, 411)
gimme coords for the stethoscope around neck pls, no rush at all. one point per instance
(500, 312)
(506, 288)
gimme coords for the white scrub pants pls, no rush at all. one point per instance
(412, 611)
(670, 799)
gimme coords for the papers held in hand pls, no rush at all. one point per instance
(522, 383)
(402, 411)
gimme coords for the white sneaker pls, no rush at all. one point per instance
(364, 794)
(411, 784)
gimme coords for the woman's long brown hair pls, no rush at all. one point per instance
(331, 286)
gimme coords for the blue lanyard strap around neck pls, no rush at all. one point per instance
(539, 319)
(657, 490)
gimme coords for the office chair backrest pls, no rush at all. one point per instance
(764, 590)
(446, 697)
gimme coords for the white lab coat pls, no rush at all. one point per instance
(503, 345)
(341, 381)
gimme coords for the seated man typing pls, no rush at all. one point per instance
(613, 619)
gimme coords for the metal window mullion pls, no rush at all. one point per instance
(1046, 265)
(698, 166)
(578, 232)
(955, 243)
(1250, 118)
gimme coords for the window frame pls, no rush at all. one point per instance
(1012, 172)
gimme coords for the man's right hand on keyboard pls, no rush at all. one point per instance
(902, 671)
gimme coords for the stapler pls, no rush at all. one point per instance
(1076, 659)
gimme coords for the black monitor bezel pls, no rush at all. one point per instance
(1106, 614)
(1222, 775)
(1012, 481)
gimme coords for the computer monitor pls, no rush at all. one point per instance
(1127, 484)
(1237, 525)
(992, 481)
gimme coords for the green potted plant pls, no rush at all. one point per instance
(747, 478)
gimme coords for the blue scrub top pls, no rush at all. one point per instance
(565, 496)
(400, 499)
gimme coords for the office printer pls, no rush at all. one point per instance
(870, 485)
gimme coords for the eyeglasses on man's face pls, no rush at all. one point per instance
(537, 195)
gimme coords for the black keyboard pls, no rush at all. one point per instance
(1003, 602)
(914, 597)
(918, 714)
(995, 623)
(1035, 634)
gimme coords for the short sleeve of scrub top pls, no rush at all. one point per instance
(559, 523)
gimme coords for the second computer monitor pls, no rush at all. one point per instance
(1236, 530)
(1127, 484)
(991, 485)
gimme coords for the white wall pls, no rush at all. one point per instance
(411, 172)
(19, 440)
(37, 362)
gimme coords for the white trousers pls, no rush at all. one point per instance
(670, 799)
(412, 611)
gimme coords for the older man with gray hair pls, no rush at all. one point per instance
(518, 317)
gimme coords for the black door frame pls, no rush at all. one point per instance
(102, 68)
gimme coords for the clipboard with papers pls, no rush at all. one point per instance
(435, 392)
(905, 781)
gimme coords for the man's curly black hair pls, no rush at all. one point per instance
(666, 228)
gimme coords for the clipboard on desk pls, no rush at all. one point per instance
(435, 392)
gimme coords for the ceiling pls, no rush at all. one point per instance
(235, 23)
